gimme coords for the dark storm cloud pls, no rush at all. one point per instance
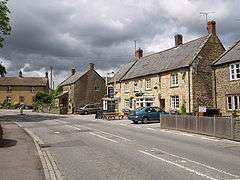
(72, 33)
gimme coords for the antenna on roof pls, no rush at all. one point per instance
(206, 15)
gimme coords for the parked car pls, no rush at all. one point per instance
(89, 109)
(146, 114)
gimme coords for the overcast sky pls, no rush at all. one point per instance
(69, 34)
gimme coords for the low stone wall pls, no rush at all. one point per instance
(222, 127)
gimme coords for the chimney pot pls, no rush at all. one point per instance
(46, 75)
(211, 27)
(178, 39)
(139, 53)
(91, 66)
(20, 74)
(73, 71)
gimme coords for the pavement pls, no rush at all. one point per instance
(19, 159)
(86, 148)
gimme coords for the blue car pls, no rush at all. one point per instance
(146, 114)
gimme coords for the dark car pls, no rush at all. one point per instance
(89, 109)
(146, 114)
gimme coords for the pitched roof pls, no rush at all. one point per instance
(122, 71)
(72, 79)
(231, 55)
(170, 59)
(23, 81)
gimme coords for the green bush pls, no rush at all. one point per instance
(183, 109)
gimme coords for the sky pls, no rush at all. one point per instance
(70, 34)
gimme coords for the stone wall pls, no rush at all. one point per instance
(17, 91)
(182, 90)
(203, 74)
(224, 87)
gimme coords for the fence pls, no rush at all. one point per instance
(222, 127)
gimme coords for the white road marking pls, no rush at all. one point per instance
(210, 139)
(178, 165)
(151, 129)
(113, 135)
(201, 164)
(64, 122)
(103, 137)
(74, 127)
(56, 132)
(186, 134)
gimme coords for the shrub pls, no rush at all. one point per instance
(183, 109)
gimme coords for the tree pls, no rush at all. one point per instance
(2, 71)
(5, 27)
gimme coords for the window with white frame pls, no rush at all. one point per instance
(233, 102)
(175, 102)
(235, 71)
(127, 103)
(148, 84)
(174, 79)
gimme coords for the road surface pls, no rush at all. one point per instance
(89, 149)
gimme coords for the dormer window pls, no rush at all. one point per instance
(174, 80)
(235, 71)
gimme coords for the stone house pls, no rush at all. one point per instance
(22, 90)
(227, 81)
(80, 89)
(179, 76)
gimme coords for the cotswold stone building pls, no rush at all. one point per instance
(22, 90)
(81, 88)
(227, 81)
(179, 76)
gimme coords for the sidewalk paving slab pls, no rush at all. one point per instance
(19, 159)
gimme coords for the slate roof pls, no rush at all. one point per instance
(170, 59)
(23, 81)
(122, 71)
(72, 79)
(231, 55)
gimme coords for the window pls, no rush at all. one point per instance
(148, 84)
(127, 103)
(21, 99)
(33, 89)
(136, 89)
(174, 80)
(9, 89)
(233, 102)
(175, 102)
(126, 88)
(235, 71)
(9, 99)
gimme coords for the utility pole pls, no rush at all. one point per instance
(51, 77)
(135, 45)
(206, 15)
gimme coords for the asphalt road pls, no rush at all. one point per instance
(89, 149)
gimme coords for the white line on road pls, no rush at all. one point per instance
(210, 139)
(178, 165)
(103, 137)
(73, 127)
(151, 129)
(114, 135)
(201, 164)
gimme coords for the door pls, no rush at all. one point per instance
(153, 115)
(162, 104)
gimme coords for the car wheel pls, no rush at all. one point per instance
(135, 122)
(85, 112)
(145, 120)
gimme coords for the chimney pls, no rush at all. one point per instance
(139, 53)
(20, 74)
(178, 39)
(211, 27)
(46, 75)
(73, 71)
(91, 66)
